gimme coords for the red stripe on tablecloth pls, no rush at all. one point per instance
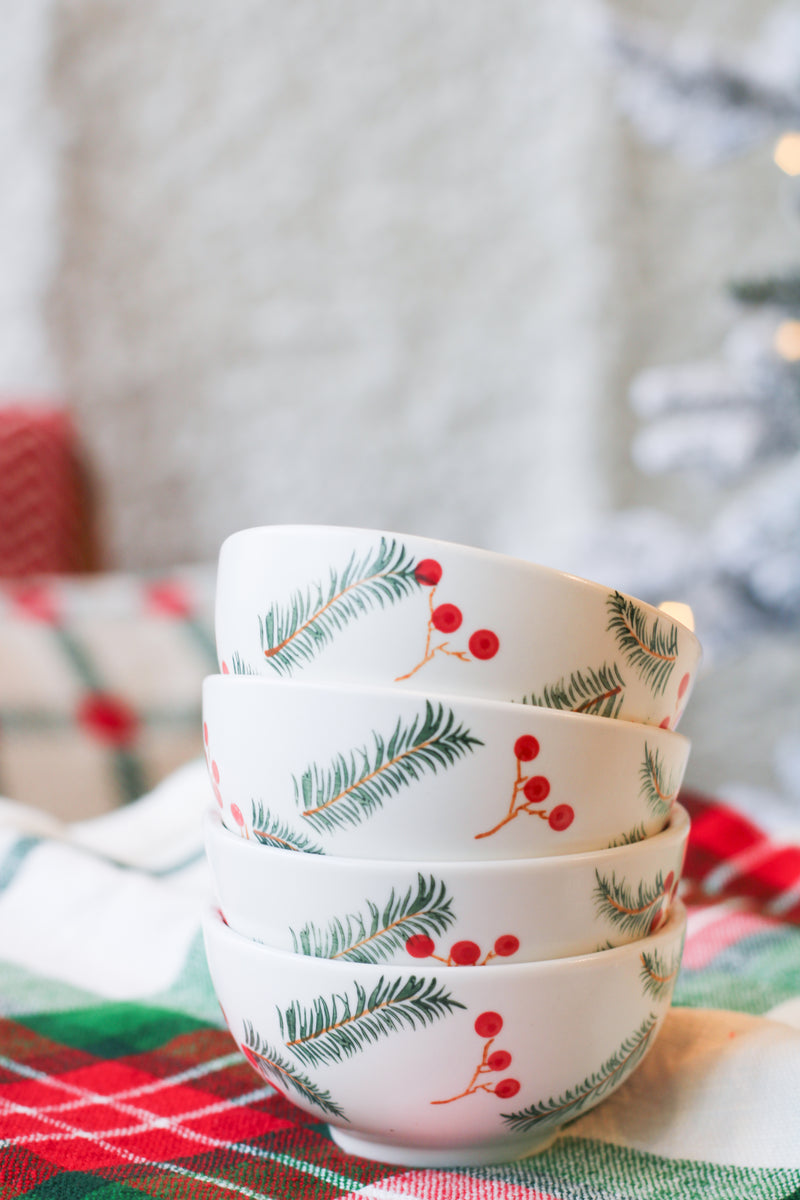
(728, 855)
(716, 933)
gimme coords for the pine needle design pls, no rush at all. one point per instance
(273, 1067)
(338, 1027)
(293, 634)
(632, 913)
(598, 692)
(657, 974)
(239, 666)
(651, 652)
(356, 784)
(384, 931)
(571, 1102)
(272, 831)
(658, 790)
(637, 834)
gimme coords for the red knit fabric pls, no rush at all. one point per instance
(39, 492)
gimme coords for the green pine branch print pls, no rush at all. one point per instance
(599, 692)
(293, 634)
(652, 652)
(356, 784)
(574, 1100)
(275, 1069)
(272, 831)
(637, 834)
(658, 974)
(658, 790)
(337, 1027)
(425, 909)
(632, 913)
(239, 666)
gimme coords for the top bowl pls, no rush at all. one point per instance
(337, 605)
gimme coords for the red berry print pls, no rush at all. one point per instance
(682, 686)
(205, 732)
(526, 748)
(665, 723)
(657, 921)
(507, 1088)
(536, 789)
(465, 954)
(499, 1060)
(419, 945)
(446, 618)
(506, 945)
(488, 1024)
(561, 817)
(484, 644)
(428, 572)
(236, 813)
(668, 882)
(218, 794)
(225, 669)
(531, 790)
(215, 771)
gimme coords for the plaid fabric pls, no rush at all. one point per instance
(100, 686)
(117, 1079)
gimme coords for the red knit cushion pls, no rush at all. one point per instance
(40, 501)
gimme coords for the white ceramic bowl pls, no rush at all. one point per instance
(334, 605)
(433, 1067)
(376, 773)
(365, 910)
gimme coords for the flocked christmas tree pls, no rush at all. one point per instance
(734, 419)
(731, 422)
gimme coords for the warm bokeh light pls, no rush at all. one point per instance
(787, 153)
(787, 340)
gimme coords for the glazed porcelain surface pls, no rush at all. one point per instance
(333, 605)
(456, 914)
(428, 1066)
(376, 773)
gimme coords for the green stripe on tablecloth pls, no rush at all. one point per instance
(582, 1169)
(751, 976)
(113, 1030)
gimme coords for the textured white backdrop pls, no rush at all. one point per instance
(391, 264)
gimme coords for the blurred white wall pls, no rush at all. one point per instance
(389, 265)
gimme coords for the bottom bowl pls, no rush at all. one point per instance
(454, 1067)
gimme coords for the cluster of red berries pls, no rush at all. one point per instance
(488, 1025)
(536, 789)
(462, 954)
(447, 618)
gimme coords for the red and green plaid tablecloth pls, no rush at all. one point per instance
(118, 1079)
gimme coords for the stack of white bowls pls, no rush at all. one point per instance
(446, 844)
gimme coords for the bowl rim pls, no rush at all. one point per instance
(557, 715)
(549, 574)
(676, 830)
(212, 919)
